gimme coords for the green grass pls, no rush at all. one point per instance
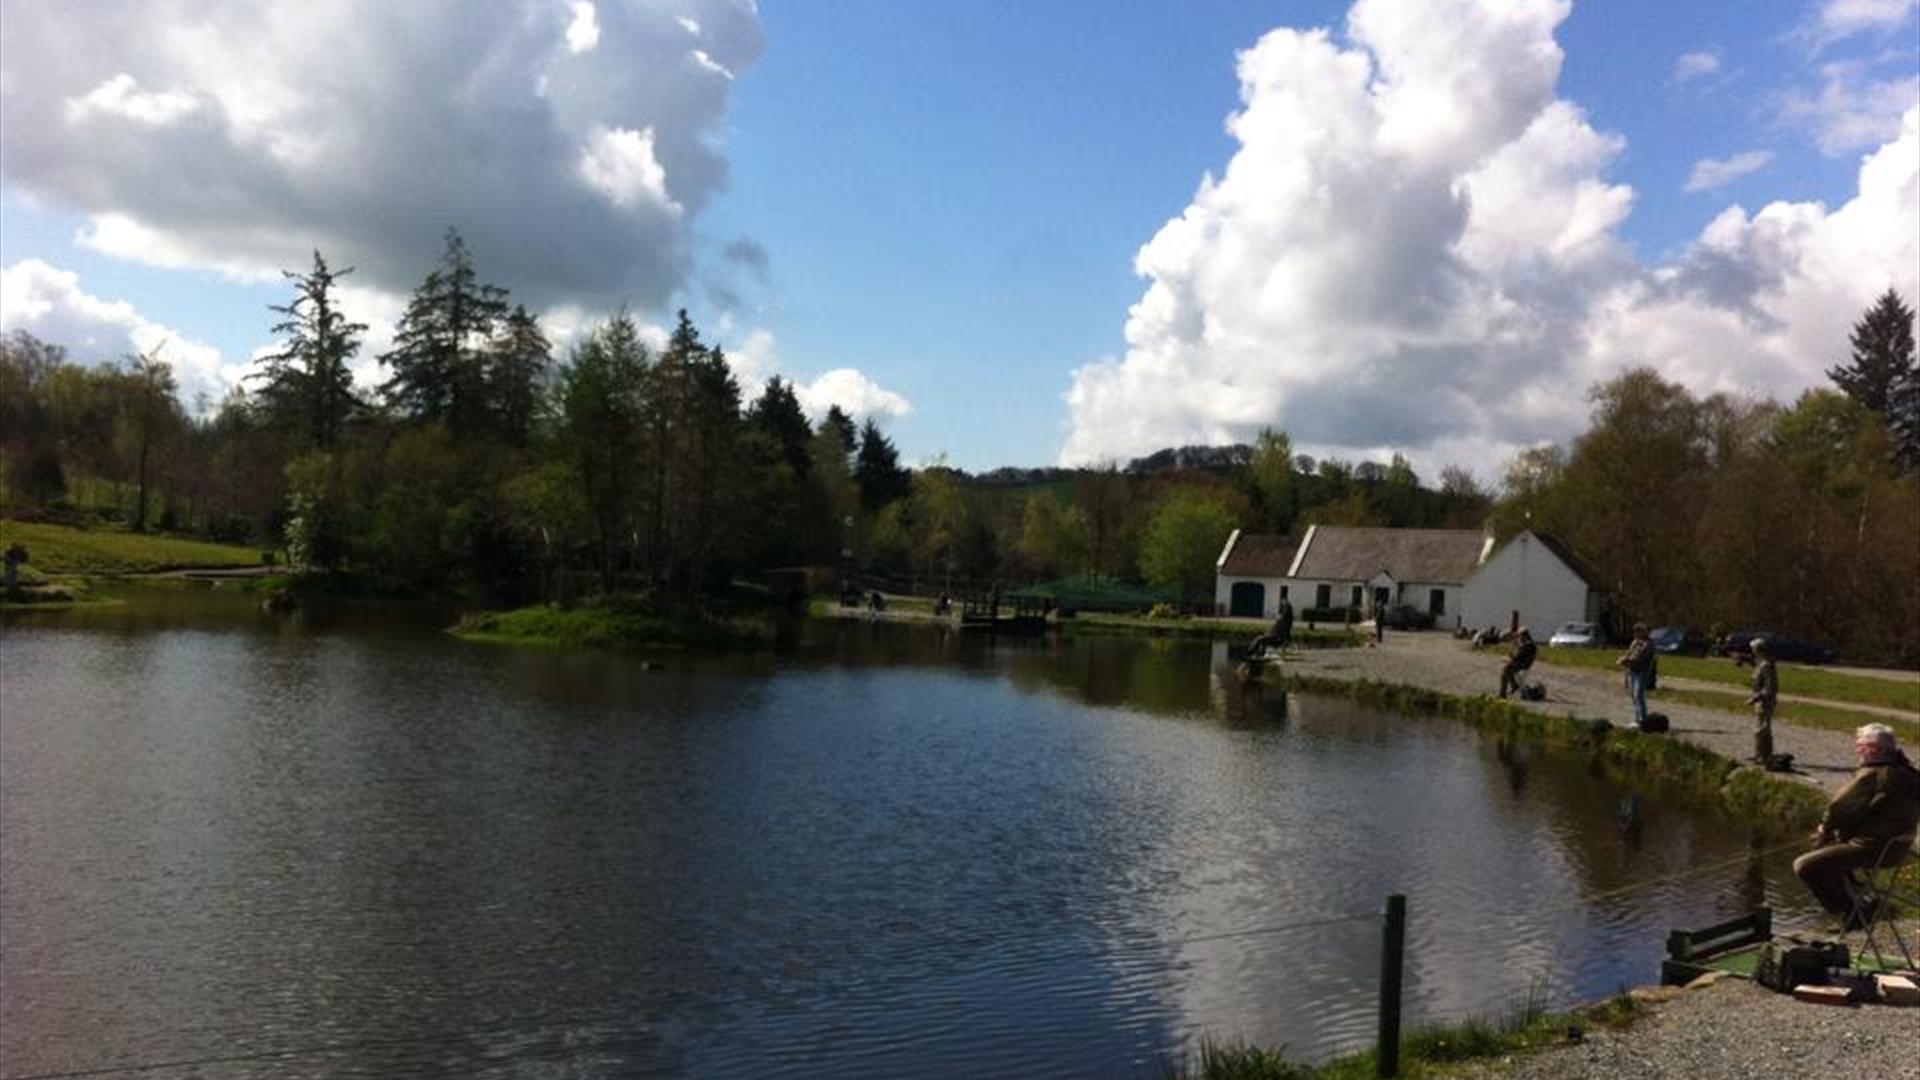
(1794, 678)
(1804, 713)
(606, 626)
(1428, 1051)
(1773, 807)
(61, 550)
(1101, 622)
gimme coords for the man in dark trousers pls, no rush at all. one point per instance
(1518, 661)
(1870, 823)
(1766, 691)
(1278, 636)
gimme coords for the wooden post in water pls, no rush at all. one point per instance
(1393, 940)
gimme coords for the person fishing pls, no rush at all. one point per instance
(1518, 661)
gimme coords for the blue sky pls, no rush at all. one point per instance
(932, 212)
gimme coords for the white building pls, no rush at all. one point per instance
(1336, 566)
(1533, 581)
(1455, 575)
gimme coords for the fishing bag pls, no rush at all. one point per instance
(1785, 963)
(1656, 724)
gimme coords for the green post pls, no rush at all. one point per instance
(1393, 940)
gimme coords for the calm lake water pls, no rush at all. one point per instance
(353, 846)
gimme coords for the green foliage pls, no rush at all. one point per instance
(1183, 541)
(877, 469)
(440, 367)
(316, 514)
(1272, 473)
(1882, 355)
(307, 387)
(607, 626)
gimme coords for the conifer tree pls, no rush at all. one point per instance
(777, 414)
(438, 360)
(877, 469)
(307, 384)
(516, 367)
(1882, 355)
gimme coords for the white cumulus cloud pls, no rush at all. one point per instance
(572, 144)
(49, 303)
(620, 165)
(1710, 173)
(1415, 247)
(583, 33)
(857, 395)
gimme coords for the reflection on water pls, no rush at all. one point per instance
(886, 851)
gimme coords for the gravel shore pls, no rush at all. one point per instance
(1731, 1030)
(1439, 662)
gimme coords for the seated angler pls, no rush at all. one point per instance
(1518, 661)
(1870, 824)
(1277, 637)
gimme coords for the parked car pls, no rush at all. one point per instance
(1739, 645)
(1682, 640)
(1407, 617)
(1577, 635)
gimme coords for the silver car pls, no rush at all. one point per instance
(1577, 635)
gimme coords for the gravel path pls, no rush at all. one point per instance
(1732, 1030)
(1440, 662)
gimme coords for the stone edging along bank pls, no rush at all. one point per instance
(1773, 806)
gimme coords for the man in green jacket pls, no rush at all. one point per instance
(1870, 824)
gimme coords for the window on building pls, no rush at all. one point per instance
(1323, 596)
(1437, 602)
(1283, 593)
(1359, 596)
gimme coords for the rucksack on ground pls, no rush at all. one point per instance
(1657, 723)
(1785, 963)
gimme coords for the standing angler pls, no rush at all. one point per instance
(1766, 690)
(1638, 660)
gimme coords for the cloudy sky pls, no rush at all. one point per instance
(1017, 234)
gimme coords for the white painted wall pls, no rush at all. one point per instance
(1525, 576)
(1270, 603)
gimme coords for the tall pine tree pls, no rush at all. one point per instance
(1882, 356)
(307, 385)
(877, 469)
(438, 358)
(516, 369)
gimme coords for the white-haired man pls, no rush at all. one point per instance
(1870, 824)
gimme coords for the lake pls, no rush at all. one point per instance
(346, 844)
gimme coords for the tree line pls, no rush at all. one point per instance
(484, 464)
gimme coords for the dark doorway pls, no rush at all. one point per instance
(1248, 599)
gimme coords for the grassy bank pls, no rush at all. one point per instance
(1103, 623)
(1794, 678)
(607, 627)
(1424, 1052)
(1811, 714)
(62, 550)
(1773, 807)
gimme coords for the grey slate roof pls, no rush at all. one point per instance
(1260, 555)
(1345, 553)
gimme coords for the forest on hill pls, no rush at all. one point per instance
(485, 465)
